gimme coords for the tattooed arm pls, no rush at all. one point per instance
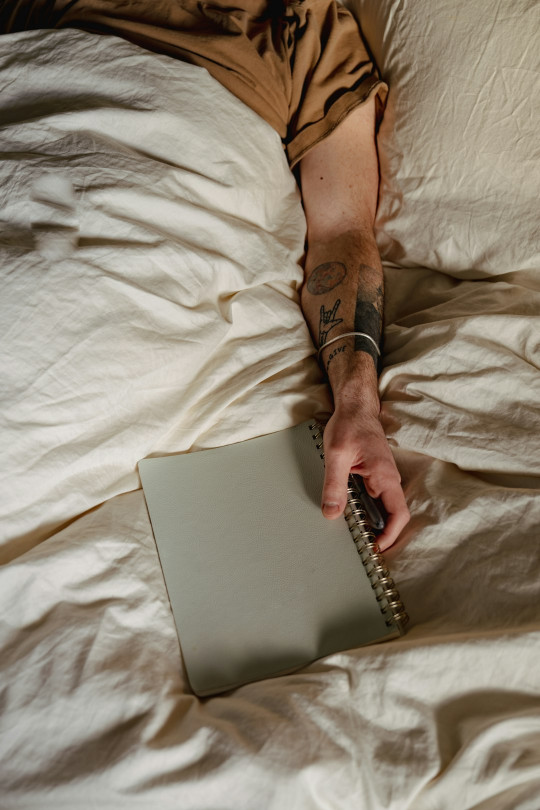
(343, 292)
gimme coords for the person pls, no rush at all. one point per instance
(303, 66)
(342, 293)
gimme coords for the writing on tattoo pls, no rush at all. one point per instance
(333, 354)
(327, 321)
(325, 277)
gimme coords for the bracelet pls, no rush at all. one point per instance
(349, 334)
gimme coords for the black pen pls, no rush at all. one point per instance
(373, 512)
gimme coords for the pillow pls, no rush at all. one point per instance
(458, 146)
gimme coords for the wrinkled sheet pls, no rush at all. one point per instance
(151, 239)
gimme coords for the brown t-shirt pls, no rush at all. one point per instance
(300, 64)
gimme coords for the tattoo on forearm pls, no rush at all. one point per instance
(340, 349)
(327, 321)
(368, 318)
(325, 277)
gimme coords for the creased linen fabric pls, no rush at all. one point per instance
(151, 237)
(130, 219)
(458, 146)
(301, 65)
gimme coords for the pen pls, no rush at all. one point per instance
(372, 510)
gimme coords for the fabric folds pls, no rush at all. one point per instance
(302, 65)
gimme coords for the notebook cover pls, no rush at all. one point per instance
(260, 583)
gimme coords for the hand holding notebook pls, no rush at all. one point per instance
(259, 582)
(355, 442)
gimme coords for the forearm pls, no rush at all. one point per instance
(343, 292)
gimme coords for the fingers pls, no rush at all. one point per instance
(385, 483)
(336, 478)
(381, 478)
(334, 497)
(398, 516)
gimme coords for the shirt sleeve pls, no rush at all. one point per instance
(331, 72)
(302, 65)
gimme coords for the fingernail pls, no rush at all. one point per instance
(330, 506)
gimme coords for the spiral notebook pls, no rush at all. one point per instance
(259, 582)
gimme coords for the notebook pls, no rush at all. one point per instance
(259, 582)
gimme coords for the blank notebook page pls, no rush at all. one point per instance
(259, 581)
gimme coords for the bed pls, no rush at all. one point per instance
(151, 237)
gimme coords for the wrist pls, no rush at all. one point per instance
(353, 380)
(354, 398)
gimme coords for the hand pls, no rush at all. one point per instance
(354, 441)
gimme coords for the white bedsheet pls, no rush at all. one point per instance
(161, 315)
(176, 291)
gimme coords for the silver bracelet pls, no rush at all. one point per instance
(349, 334)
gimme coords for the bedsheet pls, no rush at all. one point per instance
(151, 241)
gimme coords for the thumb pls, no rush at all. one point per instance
(336, 477)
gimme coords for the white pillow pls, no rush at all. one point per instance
(459, 146)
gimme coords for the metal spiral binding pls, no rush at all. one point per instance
(317, 437)
(366, 545)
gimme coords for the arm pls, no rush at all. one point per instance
(343, 292)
